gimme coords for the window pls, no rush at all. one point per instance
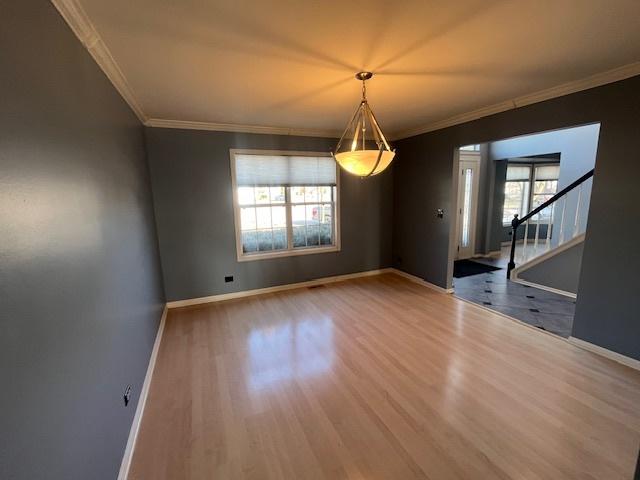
(471, 148)
(520, 198)
(545, 186)
(286, 203)
(516, 192)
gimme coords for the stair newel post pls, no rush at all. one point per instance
(514, 230)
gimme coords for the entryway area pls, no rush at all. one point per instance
(522, 206)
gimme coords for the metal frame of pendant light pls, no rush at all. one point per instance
(358, 125)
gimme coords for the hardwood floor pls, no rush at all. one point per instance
(379, 378)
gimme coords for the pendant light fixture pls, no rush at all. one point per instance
(363, 149)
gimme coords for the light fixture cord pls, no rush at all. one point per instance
(364, 101)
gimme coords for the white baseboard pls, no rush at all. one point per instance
(543, 287)
(617, 357)
(278, 288)
(311, 283)
(420, 281)
(142, 401)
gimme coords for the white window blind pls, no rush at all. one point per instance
(518, 173)
(284, 170)
(547, 172)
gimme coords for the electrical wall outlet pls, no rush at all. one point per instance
(127, 395)
(228, 278)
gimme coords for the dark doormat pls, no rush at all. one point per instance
(466, 268)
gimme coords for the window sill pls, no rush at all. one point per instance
(287, 253)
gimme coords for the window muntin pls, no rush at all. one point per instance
(287, 219)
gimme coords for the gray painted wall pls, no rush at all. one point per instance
(607, 306)
(496, 207)
(484, 200)
(191, 179)
(561, 271)
(80, 283)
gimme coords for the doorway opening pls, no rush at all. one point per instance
(543, 183)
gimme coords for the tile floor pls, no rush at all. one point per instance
(542, 309)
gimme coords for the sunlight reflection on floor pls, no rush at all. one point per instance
(293, 350)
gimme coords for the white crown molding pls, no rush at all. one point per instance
(81, 25)
(240, 128)
(597, 80)
(78, 20)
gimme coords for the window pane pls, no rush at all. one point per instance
(248, 218)
(466, 207)
(297, 215)
(249, 242)
(313, 235)
(265, 240)
(325, 234)
(263, 215)
(279, 217)
(297, 194)
(516, 196)
(277, 194)
(545, 186)
(311, 194)
(325, 194)
(299, 237)
(543, 190)
(313, 214)
(245, 196)
(280, 239)
(325, 213)
(262, 194)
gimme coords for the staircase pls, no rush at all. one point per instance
(553, 261)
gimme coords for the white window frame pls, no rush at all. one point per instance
(290, 251)
(532, 181)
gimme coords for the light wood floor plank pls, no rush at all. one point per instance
(379, 378)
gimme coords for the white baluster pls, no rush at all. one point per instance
(552, 209)
(524, 242)
(576, 224)
(564, 208)
(535, 242)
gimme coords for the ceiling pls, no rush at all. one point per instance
(291, 63)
